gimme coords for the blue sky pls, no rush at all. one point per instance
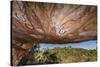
(86, 45)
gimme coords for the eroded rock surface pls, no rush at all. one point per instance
(50, 23)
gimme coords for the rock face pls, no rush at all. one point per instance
(50, 23)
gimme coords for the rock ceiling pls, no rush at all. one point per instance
(46, 22)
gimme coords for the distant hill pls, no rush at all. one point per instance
(59, 55)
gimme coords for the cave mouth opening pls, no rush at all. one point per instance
(61, 53)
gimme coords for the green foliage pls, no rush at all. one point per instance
(60, 55)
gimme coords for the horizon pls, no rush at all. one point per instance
(90, 45)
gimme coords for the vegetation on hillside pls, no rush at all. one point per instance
(58, 55)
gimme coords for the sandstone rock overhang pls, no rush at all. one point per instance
(52, 23)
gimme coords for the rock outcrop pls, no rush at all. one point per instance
(50, 23)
